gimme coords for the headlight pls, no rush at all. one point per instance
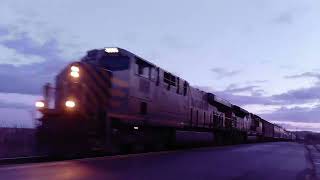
(74, 74)
(39, 104)
(70, 104)
(74, 71)
(111, 50)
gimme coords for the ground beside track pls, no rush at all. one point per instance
(279, 160)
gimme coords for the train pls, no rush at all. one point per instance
(113, 100)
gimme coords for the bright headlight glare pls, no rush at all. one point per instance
(39, 104)
(75, 69)
(111, 50)
(70, 104)
(74, 74)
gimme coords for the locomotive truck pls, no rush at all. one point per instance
(112, 99)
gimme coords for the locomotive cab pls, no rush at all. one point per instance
(87, 93)
(99, 82)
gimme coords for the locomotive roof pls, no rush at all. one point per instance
(212, 98)
(215, 100)
(239, 111)
(122, 52)
(130, 54)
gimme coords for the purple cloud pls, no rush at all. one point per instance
(302, 95)
(299, 126)
(304, 75)
(3, 31)
(14, 105)
(23, 44)
(240, 100)
(284, 18)
(296, 114)
(223, 73)
(29, 78)
(257, 81)
(253, 89)
(298, 96)
(18, 101)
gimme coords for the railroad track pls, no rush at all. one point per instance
(45, 158)
(24, 159)
(313, 156)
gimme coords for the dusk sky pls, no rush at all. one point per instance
(262, 55)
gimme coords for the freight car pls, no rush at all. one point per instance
(112, 100)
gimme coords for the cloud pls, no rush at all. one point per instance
(253, 94)
(245, 99)
(290, 109)
(288, 106)
(23, 44)
(284, 18)
(223, 73)
(16, 100)
(304, 75)
(296, 114)
(12, 105)
(26, 65)
(3, 31)
(297, 96)
(299, 126)
(11, 56)
(257, 82)
(252, 89)
(240, 100)
(28, 79)
(175, 43)
(302, 95)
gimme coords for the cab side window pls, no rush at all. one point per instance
(169, 79)
(185, 88)
(178, 85)
(153, 74)
(157, 76)
(144, 69)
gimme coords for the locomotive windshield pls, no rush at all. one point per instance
(114, 63)
(110, 62)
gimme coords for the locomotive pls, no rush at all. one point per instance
(112, 99)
